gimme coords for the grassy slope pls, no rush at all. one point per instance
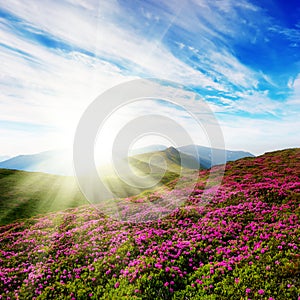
(162, 167)
(25, 194)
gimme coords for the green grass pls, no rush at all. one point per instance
(27, 194)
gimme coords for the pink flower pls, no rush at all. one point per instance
(158, 265)
(117, 284)
(261, 292)
(166, 283)
(248, 290)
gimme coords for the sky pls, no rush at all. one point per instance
(241, 57)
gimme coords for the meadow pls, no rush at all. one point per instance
(242, 244)
(26, 194)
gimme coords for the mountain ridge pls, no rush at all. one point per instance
(60, 162)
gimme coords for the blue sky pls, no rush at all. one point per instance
(242, 57)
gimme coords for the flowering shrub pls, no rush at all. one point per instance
(244, 244)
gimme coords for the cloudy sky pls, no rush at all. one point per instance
(241, 57)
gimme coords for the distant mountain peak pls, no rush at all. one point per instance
(172, 150)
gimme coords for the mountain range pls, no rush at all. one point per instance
(57, 162)
(192, 157)
(209, 157)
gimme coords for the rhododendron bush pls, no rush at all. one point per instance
(243, 244)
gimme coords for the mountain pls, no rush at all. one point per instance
(3, 158)
(147, 171)
(204, 156)
(173, 159)
(54, 162)
(60, 162)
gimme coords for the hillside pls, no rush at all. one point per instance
(160, 167)
(26, 194)
(171, 156)
(243, 244)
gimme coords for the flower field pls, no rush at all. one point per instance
(243, 244)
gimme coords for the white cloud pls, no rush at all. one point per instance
(258, 135)
(295, 98)
(92, 30)
(53, 87)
